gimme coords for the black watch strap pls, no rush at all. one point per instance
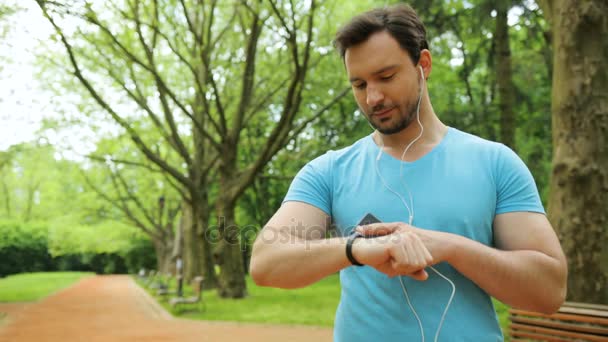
(349, 248)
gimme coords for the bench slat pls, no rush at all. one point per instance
(515, 327)
(585, 311)
(528, 335)
(562, 316)
(573, 322)
(600, 307)
(560, 325)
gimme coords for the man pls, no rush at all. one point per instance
(448, 201)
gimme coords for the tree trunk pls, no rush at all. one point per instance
(163, 250)
(192, 251)
(228, 253)
(196, 252)
(207, 268)
(579, 185)
(504, 75)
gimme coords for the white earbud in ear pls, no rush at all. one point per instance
(421, 72)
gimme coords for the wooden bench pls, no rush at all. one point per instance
(573, 322)
(197, 298)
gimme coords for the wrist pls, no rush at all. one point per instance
(350, 243)
(445, 247)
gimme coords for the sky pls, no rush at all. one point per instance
(22, 103)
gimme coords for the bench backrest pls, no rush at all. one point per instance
(198, 286)
(578, 321)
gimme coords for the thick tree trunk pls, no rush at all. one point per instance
(579, 186)
(198, 241)
(228, 253)
(207, 268)
(504, 75)
(163, 250)
(196, 252)
(192, 252)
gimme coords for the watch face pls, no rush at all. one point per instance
(368, 219)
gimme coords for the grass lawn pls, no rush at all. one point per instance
(313, 305)
(27, 287)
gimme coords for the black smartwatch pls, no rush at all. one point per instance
(349, 248)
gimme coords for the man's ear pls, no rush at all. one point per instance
(426, 62)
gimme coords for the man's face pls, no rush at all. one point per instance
(385, 82)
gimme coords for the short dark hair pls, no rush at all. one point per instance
(400, 21)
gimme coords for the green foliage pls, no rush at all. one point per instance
(502, 310)
(57, 221)
(140, 255)
(108, 236)
(31, 247)
(35, 286)
(23, 248)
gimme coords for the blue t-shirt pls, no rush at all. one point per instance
(458, 187)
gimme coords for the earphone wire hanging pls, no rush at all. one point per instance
(410, 209)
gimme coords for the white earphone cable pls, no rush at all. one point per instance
(410, 209)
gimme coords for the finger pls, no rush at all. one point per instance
(377, 229)
(425, 252)
(424, 256)
(411, 246)
(387, 269)
(428, 256)
(420, 275)
(399, 259)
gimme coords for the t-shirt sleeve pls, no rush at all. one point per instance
(515, 186)
(313, 184)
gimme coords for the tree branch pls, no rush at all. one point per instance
(104, 159)
(296, 131)
(248, 78)
(175, 138)
(134, 136)
(133, 198)
(124, 208)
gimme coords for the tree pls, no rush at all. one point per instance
(504, 74)
(130, 191)
(579, 181)
(191, 69)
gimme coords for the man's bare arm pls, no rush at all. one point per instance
(527, 269)
(291, 251)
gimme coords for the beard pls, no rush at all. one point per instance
(390, 126)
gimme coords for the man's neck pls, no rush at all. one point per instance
(433, 133)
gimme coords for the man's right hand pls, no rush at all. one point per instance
(399, 253)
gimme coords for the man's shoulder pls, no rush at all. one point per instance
(346, 152)
(328, 161)
(474, 144)
(470, 139)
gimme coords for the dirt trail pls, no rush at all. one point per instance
(114, 308)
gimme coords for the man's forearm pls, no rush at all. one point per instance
(523, 278)
(292, 262)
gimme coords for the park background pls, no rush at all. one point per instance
(138, 132)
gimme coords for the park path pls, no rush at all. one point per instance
(114, 308)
